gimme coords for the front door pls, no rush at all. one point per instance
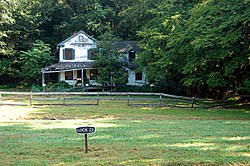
(81, 75)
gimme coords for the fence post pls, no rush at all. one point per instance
(224, 103)
(128, 98)
(160, 99)
(98, 98)
(31, 96)
(192, 102)
(64, 95)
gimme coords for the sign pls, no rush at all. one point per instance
(85, 130)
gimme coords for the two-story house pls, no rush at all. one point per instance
(76, 63)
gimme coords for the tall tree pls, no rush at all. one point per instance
(33, 60)
(68, 16)
(111, 70)
(6, 50)
(18, 31)
(216, 49)
(163, 67)
(134, 15)
(203, 44)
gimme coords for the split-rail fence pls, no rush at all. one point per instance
(129, 98)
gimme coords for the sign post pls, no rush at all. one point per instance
(85, 130)
(86, 143)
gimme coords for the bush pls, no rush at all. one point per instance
(36, 88)
(58, 87)
(8, 86)
(137, 89)
(246, 86)
(3, 86)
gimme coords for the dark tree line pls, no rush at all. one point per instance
(201, 46)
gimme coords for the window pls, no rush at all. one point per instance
(51, 77)
(80, 38)
(92, 54)
(93, 74)
(69, 75)
(131, 56)
(68, 54)
(138, 76)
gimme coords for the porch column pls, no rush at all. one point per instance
(43, 81)
(82, 80)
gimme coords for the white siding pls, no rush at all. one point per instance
(81, 48)
(132, 81)
(81, 55)
(131, 74)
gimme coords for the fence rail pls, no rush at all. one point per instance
(130, 98)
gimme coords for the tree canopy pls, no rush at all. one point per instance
(201, 46)
(33, 60)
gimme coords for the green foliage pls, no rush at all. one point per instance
(246, 86)
(111, 70)
(138, 89)
(163, 65)
(217, 52)
(6, 19)
(33, 60)
(18, 30)
(61, 86)
(36, 88)
(203, 44)
(3, 86)
(61, 19)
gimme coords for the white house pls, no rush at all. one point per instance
(76, 61)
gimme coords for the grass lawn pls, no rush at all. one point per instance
(124, 135)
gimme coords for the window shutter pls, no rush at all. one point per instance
(73, 54)
(64, 55)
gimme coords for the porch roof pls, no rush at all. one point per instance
(67, 66)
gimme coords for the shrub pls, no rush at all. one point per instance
(136, 89)
(36, 88)
(61, 86)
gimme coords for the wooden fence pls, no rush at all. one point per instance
(129, 98)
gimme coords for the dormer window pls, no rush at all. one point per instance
(68, 54)
(81, 38)
(131, 56)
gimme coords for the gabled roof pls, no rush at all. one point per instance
(126, 46)
(121, 46)
(75, 34)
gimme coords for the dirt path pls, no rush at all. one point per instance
(15, 112)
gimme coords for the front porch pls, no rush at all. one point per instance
(78, 74)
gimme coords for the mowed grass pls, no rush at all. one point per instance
(125, 135)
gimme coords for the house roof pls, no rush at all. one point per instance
(121, 46)
(126, 46)
(75, 34)
(67, 66)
